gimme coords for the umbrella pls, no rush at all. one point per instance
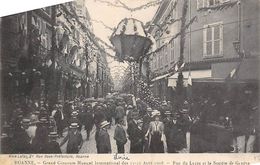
(130, 40)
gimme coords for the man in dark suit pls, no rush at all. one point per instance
(103, 139)
(21, 139)
(53, 146)
(135, 133)
(120, 111)
(74, 139)
(120, 136)
(41, 136)
(88, 120)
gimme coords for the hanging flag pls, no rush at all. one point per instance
(182, 66)
(55, 65)
(78, 85)
(189, 80)
(176, 67)
(232, 73)
(49, 62)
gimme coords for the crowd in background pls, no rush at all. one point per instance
(158, 129)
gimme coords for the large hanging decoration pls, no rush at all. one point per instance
(130, 40)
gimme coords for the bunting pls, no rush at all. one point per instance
(120, 4)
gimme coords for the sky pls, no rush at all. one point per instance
(111, 16)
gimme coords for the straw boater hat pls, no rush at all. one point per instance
(168, 113)
(36, 112)
(53, 134)
(25, 121)
(104, 123)
(74, 113)
(43, 120)
(130, 107)
(4, 135)
(74, 125)
(149, 109)
(156, 113)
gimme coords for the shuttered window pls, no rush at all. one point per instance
(213, 40)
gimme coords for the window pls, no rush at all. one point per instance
(208, 3)
(213, 39)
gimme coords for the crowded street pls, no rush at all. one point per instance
(89, 146)
(124, 76)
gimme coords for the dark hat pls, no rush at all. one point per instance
(135, 114)
(120, 119)
(164, 103)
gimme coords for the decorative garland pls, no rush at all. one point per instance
(220, 6)
(102, 23)
(120, 4)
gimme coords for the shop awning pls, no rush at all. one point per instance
(160, 77)
(195, 74)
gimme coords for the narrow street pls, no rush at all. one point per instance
(184, 74)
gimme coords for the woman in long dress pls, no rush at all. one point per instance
(155, 134)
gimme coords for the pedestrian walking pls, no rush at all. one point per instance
(146, 122)
(21, 139)
(41, 136)
(58, 117)
(120, 112)
(120, 136)
(135, 134)
(75, 119)
(155, 133)
(103, 139)
(74, 139)
(53, 146)
(88, 119)
(109, 112)
(167, 121)
(173, 135)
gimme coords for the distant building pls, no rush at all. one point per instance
(223, 32)
(48, 55)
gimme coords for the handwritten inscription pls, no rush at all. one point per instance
(121, 157)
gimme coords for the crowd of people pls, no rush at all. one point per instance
(148, 130)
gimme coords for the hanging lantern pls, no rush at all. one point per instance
(130, 40)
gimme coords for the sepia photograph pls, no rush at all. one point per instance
(131, 76)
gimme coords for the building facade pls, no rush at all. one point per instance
(50, 55)
(220, 36)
